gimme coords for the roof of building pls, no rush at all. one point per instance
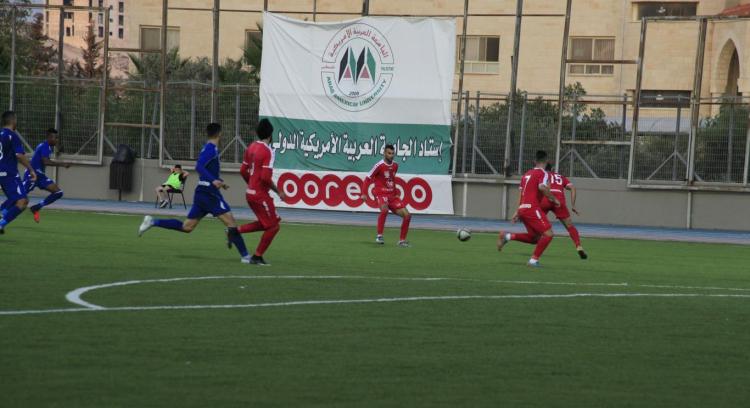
(743, 10)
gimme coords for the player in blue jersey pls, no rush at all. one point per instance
(39, 162)
(11, 153)
(207, 199)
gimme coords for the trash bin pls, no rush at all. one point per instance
(121, 170)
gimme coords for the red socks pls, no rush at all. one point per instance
(381, 222)
(266, 239)
(574, 235)
(405, 227)
(544, 241)
(252, 227)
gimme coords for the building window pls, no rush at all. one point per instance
(588, 49)
(91, 3)
(121, 20)
(121, 7)
(120, 33)
(68, 15)
(91, 16)
(67, 2)
(665, 99)
(101, 3)
(482, 55)
(100, 18)
(101, 31)
(665, 9)
(67, 31)
(150, 38)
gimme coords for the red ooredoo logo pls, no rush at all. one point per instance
(333, 190)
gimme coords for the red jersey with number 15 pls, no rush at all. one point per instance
(384, 177)
(557, 185)
(257, 169)
(531, 196)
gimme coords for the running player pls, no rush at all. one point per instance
(207, 199)
(257, 171)
(39, 161)
(383, 174)
(534, 186)
(558, 184)
(11, 153)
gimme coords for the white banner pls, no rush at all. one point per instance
(427, 194)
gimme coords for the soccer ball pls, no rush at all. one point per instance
(463, 234)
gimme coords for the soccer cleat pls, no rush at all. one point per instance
(2, 230)
(245, 259)
(501, 241)
(258, 260)
(379, 240)
(582, 253)
(404, 244)
(35, 213)
(148, 222)
(533, 263)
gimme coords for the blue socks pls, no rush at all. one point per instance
(236, 239)
(169, 224)
(10, 215)
(47, 201)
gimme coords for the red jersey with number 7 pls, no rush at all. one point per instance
(257, 169)
(531, 195)
(384, 177)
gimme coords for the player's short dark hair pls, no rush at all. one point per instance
(548, 167)
(541, 156)
(213, 130)
(178, 166)
(390, 146)
(7, 117)
(51, 131)
(264, 130)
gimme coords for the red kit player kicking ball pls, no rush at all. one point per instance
(257, 170)
(557, 186)
(534, 187)
(383, 174)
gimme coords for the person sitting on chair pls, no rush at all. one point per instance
(174, 182)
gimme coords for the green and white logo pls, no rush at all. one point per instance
(357, 67)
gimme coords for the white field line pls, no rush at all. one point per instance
(379, 300)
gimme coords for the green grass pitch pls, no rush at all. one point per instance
(486, 338)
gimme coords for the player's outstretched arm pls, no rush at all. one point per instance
(55, 163)
(547, 193)
(573, 197)
(25, 163)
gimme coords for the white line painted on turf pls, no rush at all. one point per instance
(379, 300)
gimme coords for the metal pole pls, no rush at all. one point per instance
(513, 85)
(143, 121)
(730, 147)
(476, 133)
(561, 90)
(637, 97)
(466, 133)
(60, 68)
(462, 60)
(676, 138)
(265, 5)
(746, 167)
(573, 133)
(621, 159)
(523, 133)
(237, 125)
(215, 63)
(192, 120)
(12, 94)
(105, 86)
(163, 81)
(696, 98)
(315, 10)
(366, 12)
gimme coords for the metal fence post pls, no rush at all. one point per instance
(696, 99)
(192, 120)
(143, 121)
(513, 85)
(637, 98)
(462, 61)
(215, 62)
(237, 125)
(105, 86)
(730, 147)
(676, 138)
(561, 90)
(621, 150)
(315, 10)
(163, 81)
(474, 141)
(523, 133)
(60, 67)
(573, 132)
(746, 167)
(466, 133)
(12, 91)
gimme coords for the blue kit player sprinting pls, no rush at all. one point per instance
(207, 199)
(39, 162)
(11, 153)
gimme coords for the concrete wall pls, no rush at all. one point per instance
(600, 201)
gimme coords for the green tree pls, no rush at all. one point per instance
(252, 54)
(93, 65)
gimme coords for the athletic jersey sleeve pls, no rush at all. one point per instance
(542, 177)
(266, 161)
(17, 145)
(207, 154)
(247, 159)
(566, 182)
(374, 172)
(45, 151)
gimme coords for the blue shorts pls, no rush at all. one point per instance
(12, 188)
(207, 203)
(42, 181)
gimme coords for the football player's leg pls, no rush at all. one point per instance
(402, 212)
(541, 224)
(271, 225)
(13, 189)
(223, 213)
(55, 194)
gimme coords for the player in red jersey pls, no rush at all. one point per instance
(534, 186)
(558, 184)
(383, 174)
(257, 171)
